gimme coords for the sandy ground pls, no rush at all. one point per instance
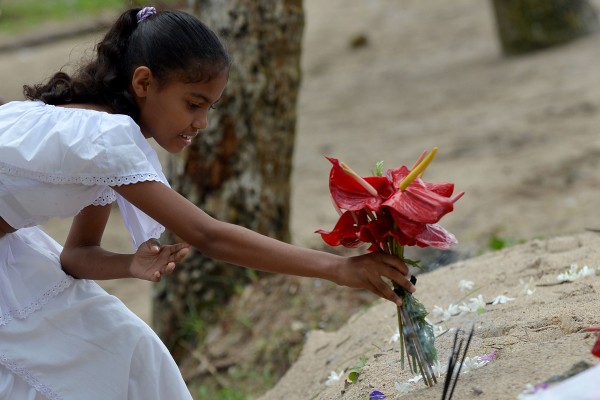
(519, 136)
(535, 337)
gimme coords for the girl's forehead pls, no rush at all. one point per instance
(208, 90)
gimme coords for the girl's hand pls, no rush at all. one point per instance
(153, 260)
(366, 272)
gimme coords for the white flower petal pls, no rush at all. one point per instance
(464, 309)
(574, 272)
(465, 285)
(402, 388)
(396, 336)
(437, 311)
(439, 369)
(438, 330)
(453, 310)
(334, 377)
(586, 271)
(501, 299)
(477, 304)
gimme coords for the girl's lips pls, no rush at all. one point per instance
(187, 140)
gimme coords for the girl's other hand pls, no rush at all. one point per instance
(366, 272)
(153, 260)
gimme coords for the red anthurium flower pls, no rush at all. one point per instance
(390, 212)
(424, 234)
(345, 232)
(419, 204)
(407, 215)
(397, 175)
(442, 188)
(348, 194)
(435, 235)
(377, 231)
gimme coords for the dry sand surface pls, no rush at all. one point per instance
(536, 336)
(519, 136)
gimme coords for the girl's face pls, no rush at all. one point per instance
(174, 113)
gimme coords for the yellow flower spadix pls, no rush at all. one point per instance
(359, 179)
(418, 170)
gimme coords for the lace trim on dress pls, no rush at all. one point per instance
(38, 303)
(108, 197)
(28, 377)
(85, 180)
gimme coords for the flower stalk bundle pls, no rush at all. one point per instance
(388, 211)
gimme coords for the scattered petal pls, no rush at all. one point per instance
(334, 377)
(453, 310)
(438, 330)
(439, 313)
(574, 272)
(396, 336)
(477, 304)
(465, 309)
(439, 369)
(501, 299)
(527, 287)
(465, 285)
(586, 271)
(531, 390)
(415, 379)
(472, 363)
(490, 357)
(402, 388)
(377, 395)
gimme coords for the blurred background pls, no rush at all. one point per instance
(516, 123)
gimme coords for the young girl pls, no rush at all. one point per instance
(78, 145)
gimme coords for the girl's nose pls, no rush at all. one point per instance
(200, 122)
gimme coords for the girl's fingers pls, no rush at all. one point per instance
(180, 255)
(168, 269)
(385, 291)
(153, 245)
(400, 279)
(397, 264)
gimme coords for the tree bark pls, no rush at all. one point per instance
(528, 25)
(238, 170)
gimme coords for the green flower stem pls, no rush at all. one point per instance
(410, 340)
(399, 314)
(428, 374)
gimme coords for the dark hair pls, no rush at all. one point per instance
(173, 44)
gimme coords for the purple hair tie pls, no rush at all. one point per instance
(145, 13)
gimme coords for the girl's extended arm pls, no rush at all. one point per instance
(82, 256)
(240, 246)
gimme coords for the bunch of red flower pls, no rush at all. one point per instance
(396, 206)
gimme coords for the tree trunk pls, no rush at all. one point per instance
(238, 170)
(528, 25)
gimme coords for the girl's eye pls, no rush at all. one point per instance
(193, 105)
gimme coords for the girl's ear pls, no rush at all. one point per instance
(142, 76)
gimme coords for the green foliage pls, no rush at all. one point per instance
(498, 243)
(18, 15)
(21, 15)
(354, 372)
(193, 324)
(239, 385)
(205, 392)
(378, 170)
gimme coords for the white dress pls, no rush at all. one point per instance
(65, 338)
